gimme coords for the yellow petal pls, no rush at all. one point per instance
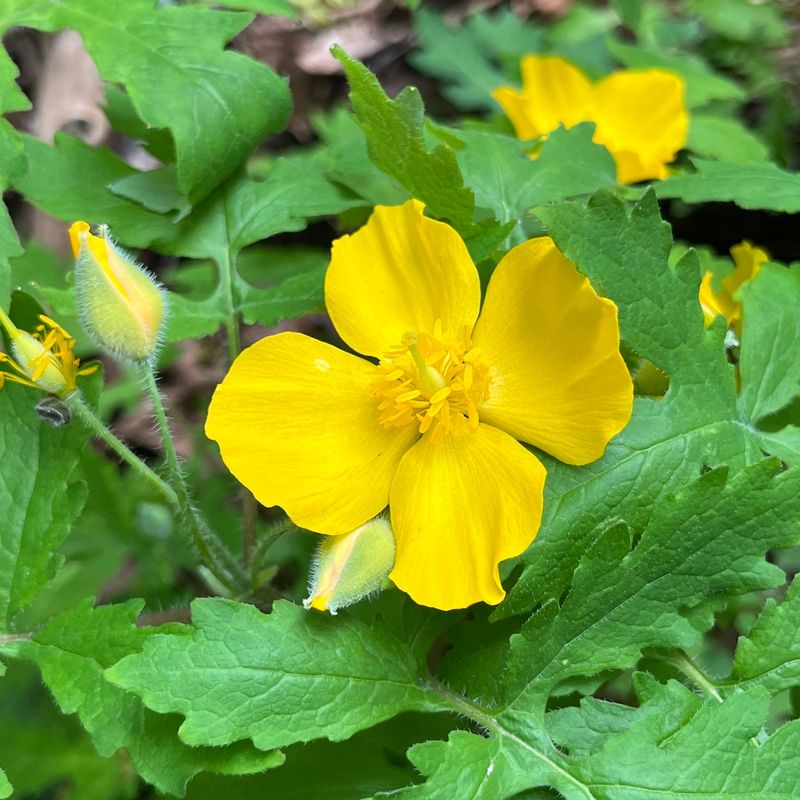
(641, 118)
(557, 378)
(554, 92)
(709, 300)
(297, 424)
(402, 272)
(461, 505)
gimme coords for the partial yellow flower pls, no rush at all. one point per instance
(640, 116)
(432, 428)
(42, 360)
(122, 305)
(747, 260)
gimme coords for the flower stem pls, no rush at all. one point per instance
(213, 553)
(87, 415)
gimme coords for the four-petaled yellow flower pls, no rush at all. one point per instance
(42, 360)
(430, 429)
(747, 260)
(640, 116)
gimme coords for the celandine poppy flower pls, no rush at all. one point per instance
(432, 428)
(640, 116)
(747, 261)
(43, 359)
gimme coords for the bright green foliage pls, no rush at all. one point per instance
(618, 601)
(769, 368)
(671, 533)
(712, 136)
(73, 651)
(506, 181)
(396, 126)
(11, 99)
(217, 104)
(748, 185)
(672, 747)
(297, 676)
(38, 500)
(769, 656)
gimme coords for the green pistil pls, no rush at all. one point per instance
(430, 380)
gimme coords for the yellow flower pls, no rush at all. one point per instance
(122, 306)
(747, 260)
(640, 116)
(432, 428)
(42, 360)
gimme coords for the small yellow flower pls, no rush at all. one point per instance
(122, 306)
(747, 260)
(431, 428)
(640, 116)
(42, 360)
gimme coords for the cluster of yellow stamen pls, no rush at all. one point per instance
(434, 384)
(43, 359)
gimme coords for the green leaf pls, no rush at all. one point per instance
(38, 500)
(710, 538)
(296, 296)
(508, 182)
(769, 656)
(742, 21)
(669, 440)
(727, 139)
(5, 787)
(348, 163)
(73, 651)
(672, 747)
(702, 84)
(217, 104)
(482, 41)
(280, 8)
(752, 186)
(768, 366)
(394, 131)
(297, 676)
(11, 162)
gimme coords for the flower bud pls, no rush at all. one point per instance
(349, 567)
(122, 306)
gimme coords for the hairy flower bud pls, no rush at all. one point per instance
(122, 306)
(349, 567)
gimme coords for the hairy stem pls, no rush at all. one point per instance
(695, 674)
(213, 553)
(89, 418)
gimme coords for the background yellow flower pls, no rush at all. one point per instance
(640, 116)
(747, 261)
(432, 428)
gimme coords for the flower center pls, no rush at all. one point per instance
(431, 383)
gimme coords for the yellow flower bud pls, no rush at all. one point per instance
(349, 567)
(122, 305)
